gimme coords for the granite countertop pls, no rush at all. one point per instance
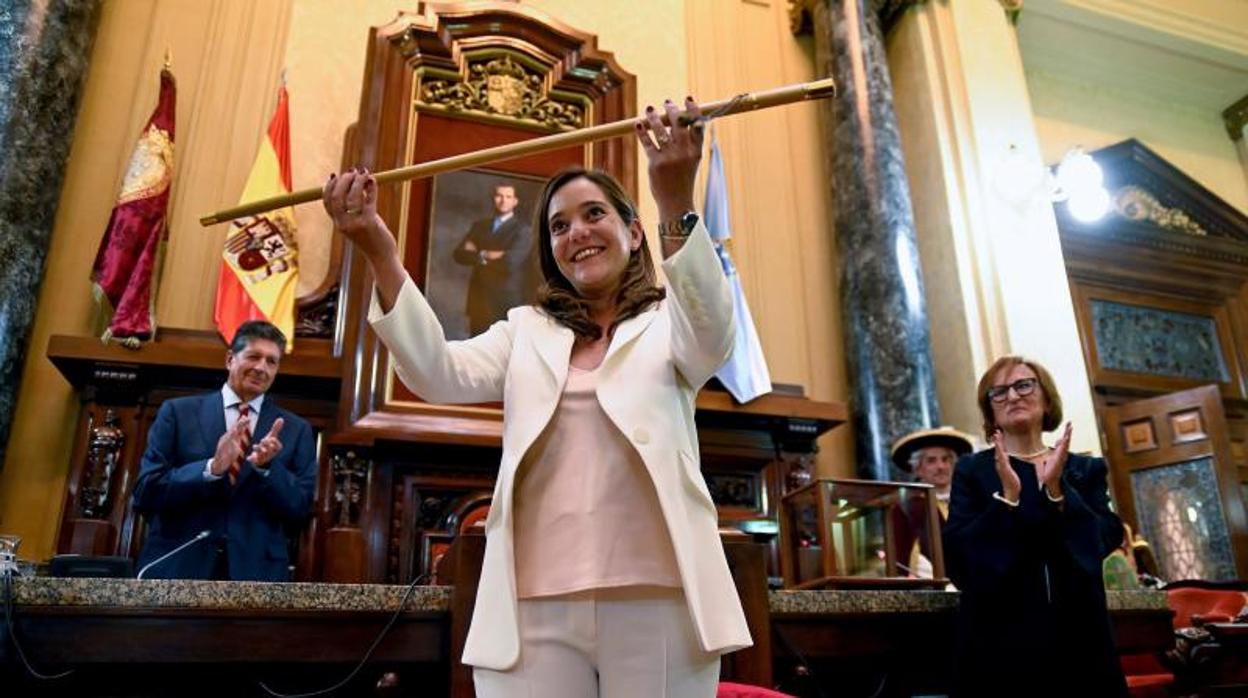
(185, 593)
(879, 601)
(190, 594)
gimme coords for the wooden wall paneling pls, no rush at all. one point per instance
(1084, 294)
(1171, 429)
(401, 123)
(135, 383)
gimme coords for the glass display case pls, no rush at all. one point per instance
(856, 534)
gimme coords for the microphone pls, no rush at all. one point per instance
(198, 537)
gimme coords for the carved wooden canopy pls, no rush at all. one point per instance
(447, 79)
(1160, 284)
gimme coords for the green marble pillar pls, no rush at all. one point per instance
(45, 46)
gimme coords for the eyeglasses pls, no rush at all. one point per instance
(1022, 387)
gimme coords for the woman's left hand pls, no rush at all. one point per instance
(673, 153)
(1051, 469)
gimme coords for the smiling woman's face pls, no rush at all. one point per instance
(590, 241)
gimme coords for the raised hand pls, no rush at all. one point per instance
(673, 153)
(1011, 486)
(1050, 471)
(229, 450)
(350, 199)
(268, 447)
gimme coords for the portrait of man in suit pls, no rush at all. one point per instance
(481, 261)
(230, 463)
(497, 250)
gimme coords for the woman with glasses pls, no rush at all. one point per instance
(1028, 527)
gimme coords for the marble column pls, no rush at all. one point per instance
(886, 328)
(45, 46)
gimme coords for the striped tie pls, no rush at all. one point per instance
(244, 410)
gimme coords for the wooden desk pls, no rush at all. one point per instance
(191, 638)
(900, 643)
(1223, 670)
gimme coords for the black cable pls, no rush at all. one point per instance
(802, 662)
(801, 659)
(364, 660)
(8, 623)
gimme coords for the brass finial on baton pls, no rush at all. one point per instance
(750, 101)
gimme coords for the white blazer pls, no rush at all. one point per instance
(650, 377)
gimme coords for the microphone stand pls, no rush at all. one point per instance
(198, 537)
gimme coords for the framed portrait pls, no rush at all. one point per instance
(482, 254)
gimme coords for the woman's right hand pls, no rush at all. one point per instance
(1011, 486)
(350, 199)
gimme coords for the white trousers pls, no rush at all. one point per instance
(606, 643)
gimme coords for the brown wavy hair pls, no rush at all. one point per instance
(557, 297)
(1052, 399)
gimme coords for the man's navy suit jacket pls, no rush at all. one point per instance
(252, 518)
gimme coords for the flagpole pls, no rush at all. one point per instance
(745, 102)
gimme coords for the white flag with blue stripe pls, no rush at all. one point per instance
(745, 375)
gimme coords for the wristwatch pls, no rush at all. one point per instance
(681, 227)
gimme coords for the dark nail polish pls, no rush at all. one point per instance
(688, 98)
(649, 110)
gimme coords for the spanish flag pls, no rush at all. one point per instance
(127, 263)
(259, 267)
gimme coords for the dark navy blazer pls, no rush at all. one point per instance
(1033, 619)
(251, 518)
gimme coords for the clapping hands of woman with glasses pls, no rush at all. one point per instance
(1029, 525)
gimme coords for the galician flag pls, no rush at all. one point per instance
(745, 375)
(259, 266)
(127, 263)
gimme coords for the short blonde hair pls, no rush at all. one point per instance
(1052, 399)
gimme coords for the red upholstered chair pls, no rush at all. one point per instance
(740, 690)
(1193, 606)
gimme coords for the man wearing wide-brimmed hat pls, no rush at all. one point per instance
(930, 454)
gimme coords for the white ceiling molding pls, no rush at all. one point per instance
(1193, 53)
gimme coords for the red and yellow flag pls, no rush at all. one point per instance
(127, 263)
(259, 267)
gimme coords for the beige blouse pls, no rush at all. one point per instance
(586, 513)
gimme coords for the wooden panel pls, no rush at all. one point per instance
(1159, 379)
(1139, 436)
(1187, 426)
(1196, 434)
(400, 123)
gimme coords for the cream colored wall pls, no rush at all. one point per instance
(219, 63)
(994, 275)
(778, 188)
(325, 55)
(1069, 113)
(228, 55)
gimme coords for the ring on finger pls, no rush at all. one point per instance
(663, 139)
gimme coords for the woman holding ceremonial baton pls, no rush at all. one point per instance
(603, 574)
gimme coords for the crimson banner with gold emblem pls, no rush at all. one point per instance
(127, 264)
